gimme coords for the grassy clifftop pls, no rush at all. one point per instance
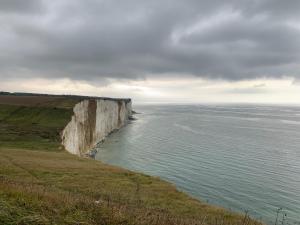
(35, 127)
(40, 183)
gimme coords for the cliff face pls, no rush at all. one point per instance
(92, 121)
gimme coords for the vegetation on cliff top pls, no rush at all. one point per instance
(40, 183)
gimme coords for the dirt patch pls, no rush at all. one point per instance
(26, 100)
(91, 123)
(119, 113)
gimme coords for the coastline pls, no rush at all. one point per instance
(58, 187)
(195, 162)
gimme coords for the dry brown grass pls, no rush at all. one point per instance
(64, 189)
(42, 101)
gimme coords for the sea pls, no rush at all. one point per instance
(245, 158)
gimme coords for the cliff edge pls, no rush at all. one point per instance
(92, 121)
(40, 183)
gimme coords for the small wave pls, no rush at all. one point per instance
(252, 118)
(290, 122)
(186, 128)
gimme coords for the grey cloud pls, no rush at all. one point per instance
(245, 91)
(21, 6)
(254, 89)
(133, 39)
(259, 85)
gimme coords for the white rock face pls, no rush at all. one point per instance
(92, 121)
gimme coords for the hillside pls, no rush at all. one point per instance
(40, 183)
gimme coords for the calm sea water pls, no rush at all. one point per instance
(238, 157)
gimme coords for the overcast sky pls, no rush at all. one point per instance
(153, 51)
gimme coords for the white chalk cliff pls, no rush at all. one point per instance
(92, 121)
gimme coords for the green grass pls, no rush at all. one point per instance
(40, 183)
(36, 128)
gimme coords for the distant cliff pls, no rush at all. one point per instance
(92, 121)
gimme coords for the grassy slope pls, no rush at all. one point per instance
(42, 184)
(32, 127)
